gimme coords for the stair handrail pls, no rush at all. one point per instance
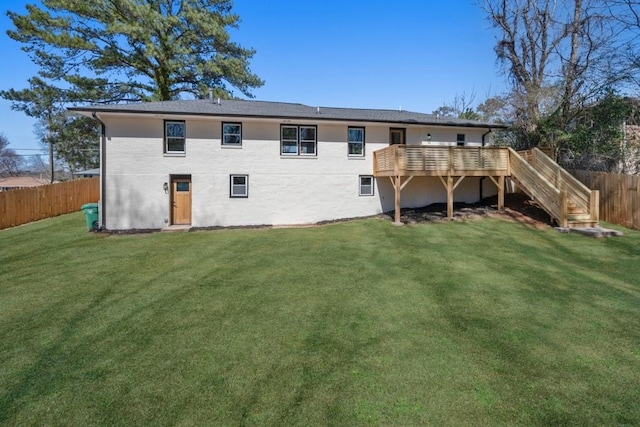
(577, 192)
(576, 182)
(548, 196)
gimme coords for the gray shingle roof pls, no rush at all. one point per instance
(280, 110)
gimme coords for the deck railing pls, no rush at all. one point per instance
(398, 160)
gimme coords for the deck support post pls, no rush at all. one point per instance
(563, 209)
(450, 197)
(398, 185)
(501, 193)
(450, 186)
(500, 184)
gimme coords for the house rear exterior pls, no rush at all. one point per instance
(207, 163)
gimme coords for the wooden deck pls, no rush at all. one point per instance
(561, 195)
(450, 164)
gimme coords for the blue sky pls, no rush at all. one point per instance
(414, 54)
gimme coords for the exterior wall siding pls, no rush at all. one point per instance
(282, 190)
(447, 137)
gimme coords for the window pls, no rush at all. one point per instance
(460, 139)
(298, 140)
(366, 185)
(356, 142)
(239, 186)
(174, 137)
(232, 134)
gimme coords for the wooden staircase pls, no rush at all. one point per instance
(569, 202)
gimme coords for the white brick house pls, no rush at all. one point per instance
(236, 163)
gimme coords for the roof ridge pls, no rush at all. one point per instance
(279, 110)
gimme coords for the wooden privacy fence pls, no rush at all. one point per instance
(25, 205)
(619, 196)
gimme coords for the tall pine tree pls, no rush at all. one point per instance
(132, 50)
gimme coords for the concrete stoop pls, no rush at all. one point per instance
(592, 231)
(176, 228)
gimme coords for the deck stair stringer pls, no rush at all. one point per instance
(569, 202)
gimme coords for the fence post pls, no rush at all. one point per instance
(636, 203)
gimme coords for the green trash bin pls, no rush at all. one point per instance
(90, 211)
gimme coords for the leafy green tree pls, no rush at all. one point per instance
(597, 141)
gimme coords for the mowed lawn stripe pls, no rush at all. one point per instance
(478, 322)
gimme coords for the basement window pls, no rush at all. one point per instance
(238, 186)
(366, 185)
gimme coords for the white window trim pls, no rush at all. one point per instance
(360, 193)
(235, 145)
(461, 142)
(356, 142)
(245, 186)
(176, 153)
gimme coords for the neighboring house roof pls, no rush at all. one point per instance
(22, 182)
(281, 110)
(88, 172)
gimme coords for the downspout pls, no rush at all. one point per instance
(103, 168)
(484, 177)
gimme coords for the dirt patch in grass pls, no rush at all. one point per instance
(518, 208)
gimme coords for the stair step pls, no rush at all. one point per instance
(579, 217)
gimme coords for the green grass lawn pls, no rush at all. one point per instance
(483, 322)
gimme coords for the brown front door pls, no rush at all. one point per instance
(181, 200)
(397, 136)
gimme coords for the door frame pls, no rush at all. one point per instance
(403, 132)
(174, 179)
